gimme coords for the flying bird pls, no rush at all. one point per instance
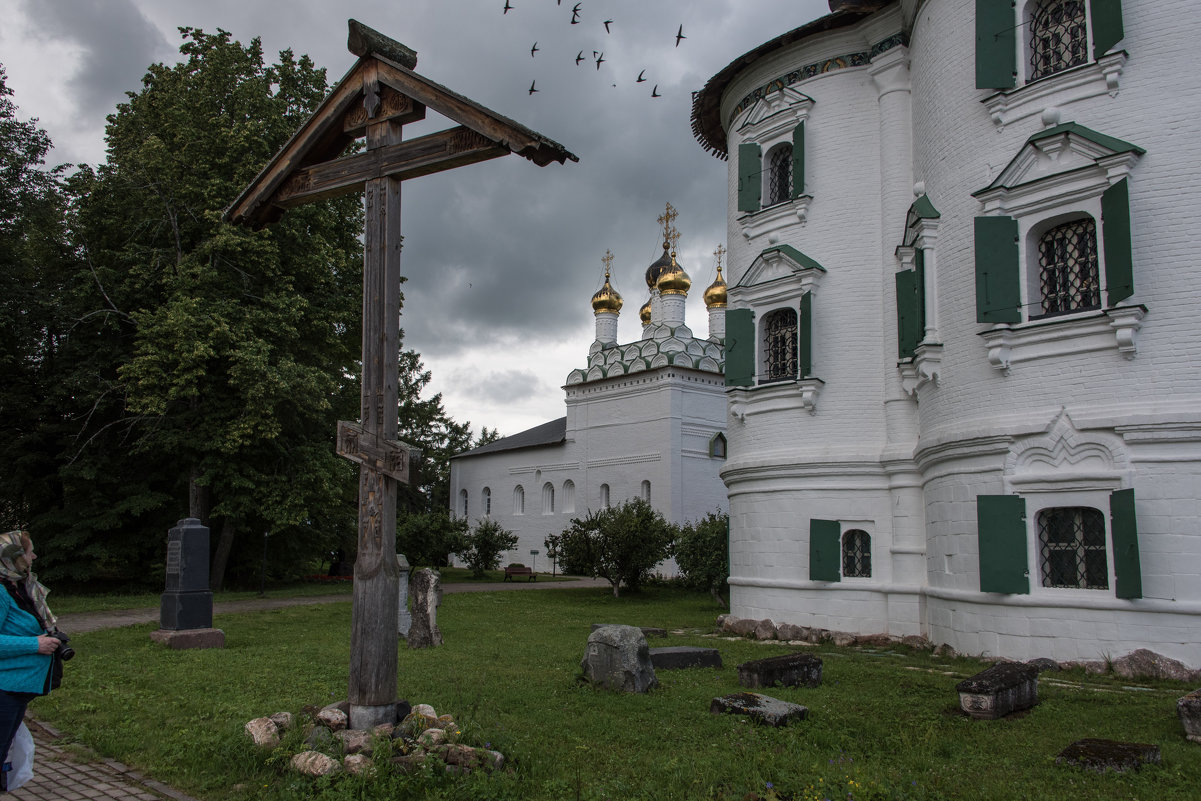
(507, 7)
(640, 78)
(533, 49)
(575, 14)
(680, 34)
(600, 60)
(579, 57)
(655, 91)
(532, 89)
(607, 23)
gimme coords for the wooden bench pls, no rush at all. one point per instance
(520, 570)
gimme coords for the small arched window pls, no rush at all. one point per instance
(463, 502)
(717, 446)
(604, 496)
(780, 344)
(856, 554)
(779, 174)
(486, 497)
(646, 491)
(1058, 37)
(569, 497)
(1069, 276)
(1071, 542)
(518, 500)
(548, 498)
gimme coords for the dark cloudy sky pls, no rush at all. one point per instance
(501, 257)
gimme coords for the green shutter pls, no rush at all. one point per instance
(1107, 25)
(1001, 529)
(996, 44)
(1125, 544)
(740, 347)
(824, 555)
(909, 329)
(798, 160)
(750, 167)
(998, 283)
(805, 335)
(1115, 233)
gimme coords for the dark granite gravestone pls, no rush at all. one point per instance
(759, 708)
(186, 610)
(404, 620)
(1003, 688)
(1102, 755)
(677, 657)
(788, 670)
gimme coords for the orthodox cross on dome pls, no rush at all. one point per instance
(608, 260)
(719, 253)
(667, 219)
(371, 104)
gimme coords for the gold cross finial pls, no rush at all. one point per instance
(719, 253)
(667, 220)
(608, 260)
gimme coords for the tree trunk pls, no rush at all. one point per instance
(221, 557)
(200, 500)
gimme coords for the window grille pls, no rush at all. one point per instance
(1072, 543)
(1058, 37)
(780, 344)
(779, 175)
(856, 554)
(1069, 277)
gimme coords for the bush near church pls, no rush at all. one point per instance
(703, 555)
(483, 546)
(620, 544)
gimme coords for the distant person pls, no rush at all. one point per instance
(26, 646)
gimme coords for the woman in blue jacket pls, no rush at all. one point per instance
(25, 646)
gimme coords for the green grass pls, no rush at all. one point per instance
(885, 720)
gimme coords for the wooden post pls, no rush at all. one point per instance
(373, 635)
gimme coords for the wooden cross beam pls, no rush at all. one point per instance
(379, 95)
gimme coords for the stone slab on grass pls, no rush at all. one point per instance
(788, 670)
(185, 639)
(1103, 755)
(1189, 710)
(759, 708)
(678, 657)
(998, 691)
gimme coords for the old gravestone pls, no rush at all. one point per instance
(618, 658)
(186, 610)
(404, 620)
(425, 591)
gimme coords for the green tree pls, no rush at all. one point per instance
(702, 552)
(483, 546)
(243, 346)
(429, 538)
(621, 544)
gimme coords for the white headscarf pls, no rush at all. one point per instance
(12, 548)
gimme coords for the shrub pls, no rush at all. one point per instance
(702, 552)
(427, 539)
(483, 546)
(620, 544)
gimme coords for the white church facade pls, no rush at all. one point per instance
(644, 419)
(962, 349)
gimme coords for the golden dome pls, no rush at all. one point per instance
(715, 295)
(658, 266)
(644, 314)
(606, 298)
(673, 280)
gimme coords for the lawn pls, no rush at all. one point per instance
(884, 724)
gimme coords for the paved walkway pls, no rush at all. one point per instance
(77, 774)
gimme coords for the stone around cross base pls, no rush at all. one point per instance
(647, 631)
(313, 763)
(263, 732)
(1103, 755)
(684, 656)
(1189, 709)
(789, 670)
(1001, 689)
(617, 658)
(182, 639)
(760, 708)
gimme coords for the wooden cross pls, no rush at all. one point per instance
(374, 101)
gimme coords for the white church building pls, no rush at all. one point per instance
(644, 419)
(961, 345)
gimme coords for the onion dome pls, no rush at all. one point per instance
(658, 266)
(673, 280)
(644, 314)
(715, 295)
(606, 298)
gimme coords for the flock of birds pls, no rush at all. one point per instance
(598, 56)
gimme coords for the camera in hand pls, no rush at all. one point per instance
(65, 652)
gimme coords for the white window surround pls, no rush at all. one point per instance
(1089, 80)
(926, 364)
(770, 122)
(774, 279)
(774, 397)
(1051, 180)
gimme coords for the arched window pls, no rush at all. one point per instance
(1068, 274)
(856, 554)
(518, 500)
(1071, 543)
(779, 174)
(569, 497)
(463, 502)
(646, 491)
(486, 496)
(604, 496)
(780, 344)
(548, 498)
(1058, 37)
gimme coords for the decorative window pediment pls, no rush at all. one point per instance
(1094, 79)
(779, 272)
(774, 115)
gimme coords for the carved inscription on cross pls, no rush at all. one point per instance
(379, 95)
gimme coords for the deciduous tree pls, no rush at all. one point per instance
(621, 544)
